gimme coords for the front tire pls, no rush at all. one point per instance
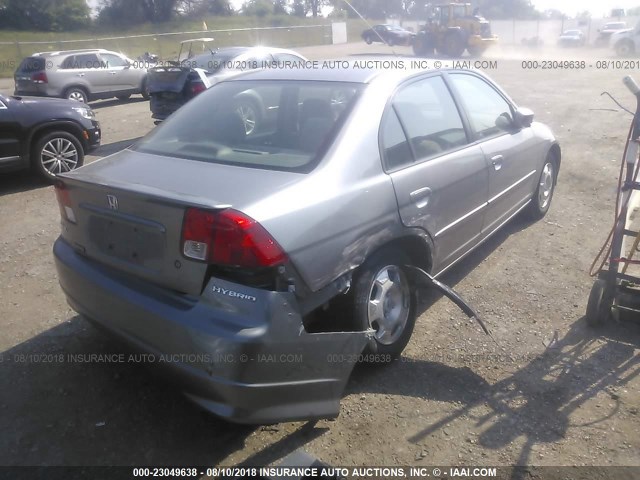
(384, 301)
(541, 200)
(624, 48)
(144, 90)
(368, 40)
(56, 152)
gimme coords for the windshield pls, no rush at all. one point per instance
(277, 125)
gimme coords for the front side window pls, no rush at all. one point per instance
(483, 104)
(429, 118)
(275, 125)
(81, 62)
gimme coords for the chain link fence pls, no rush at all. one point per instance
(167, 45)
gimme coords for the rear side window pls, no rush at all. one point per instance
(81, 62)
(110, 60)
(32, 64)
(275, 125)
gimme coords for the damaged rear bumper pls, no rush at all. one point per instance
(241, 353)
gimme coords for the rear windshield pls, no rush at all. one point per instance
(276, 125)
(32, 64)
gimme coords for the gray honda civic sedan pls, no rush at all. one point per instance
(213, 250)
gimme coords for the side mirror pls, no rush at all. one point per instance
(523, 117)
(504, 122)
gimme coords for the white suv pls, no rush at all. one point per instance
(82, 75)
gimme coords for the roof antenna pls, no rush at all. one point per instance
(369, 25)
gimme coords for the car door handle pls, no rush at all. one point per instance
(80, 74)
(496, 161)
(112, 73)
(421, 197)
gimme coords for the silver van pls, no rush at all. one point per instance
(82, 75)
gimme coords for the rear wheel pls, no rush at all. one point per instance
(56, 152)
(385, 302)
(453, 45)
(76, 93)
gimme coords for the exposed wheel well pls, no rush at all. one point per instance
(336, 315)
(415, 248)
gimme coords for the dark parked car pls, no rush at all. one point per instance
(51, 135)
(172, 86)
(389, 34)
(216, 250)
(572, 38)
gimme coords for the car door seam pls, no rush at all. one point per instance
(506, 190)
(464, 217)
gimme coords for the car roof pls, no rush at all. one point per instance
(350, 70)
(203, 39)
(236, 51)
(69, 52)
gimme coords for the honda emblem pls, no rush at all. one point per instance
(113, 202)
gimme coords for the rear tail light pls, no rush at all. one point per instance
(64, 202)
(39, 77)
(197, 87)
(229, 238)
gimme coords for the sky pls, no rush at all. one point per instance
(598, 8)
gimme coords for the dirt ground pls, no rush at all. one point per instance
(549, 391)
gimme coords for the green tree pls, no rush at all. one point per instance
(117, 12)
(47, 15)
(257, 8)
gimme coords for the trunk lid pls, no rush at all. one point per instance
(129, 210)
(167, 79)
(169, 89)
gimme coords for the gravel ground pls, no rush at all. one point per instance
(548, 391)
